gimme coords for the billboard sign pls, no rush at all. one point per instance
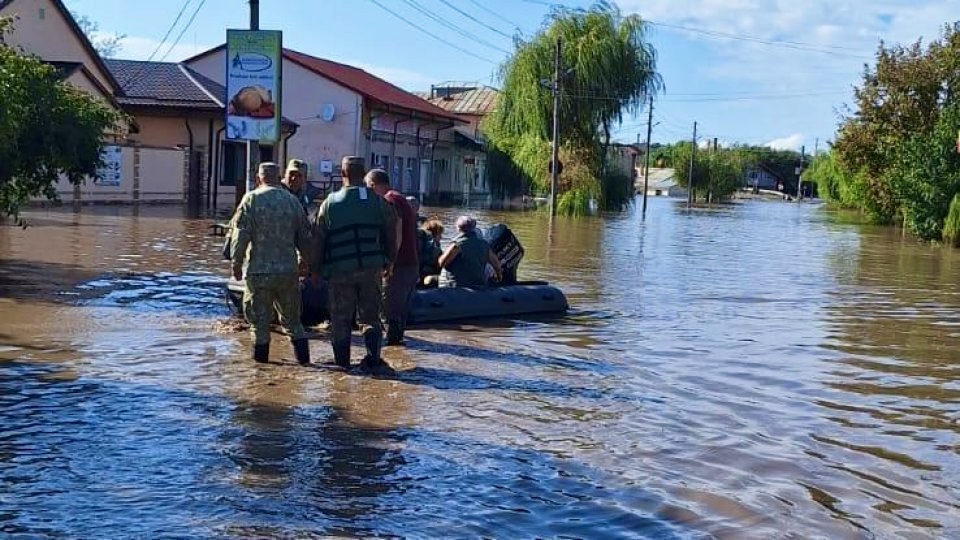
(111, 167)
(254, 68)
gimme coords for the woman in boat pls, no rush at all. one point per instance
(428, 236)
(465, 260)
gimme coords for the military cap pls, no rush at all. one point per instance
(352, 161)
(269, 169)
(297, 165)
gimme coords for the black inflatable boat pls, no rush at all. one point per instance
(445, 304)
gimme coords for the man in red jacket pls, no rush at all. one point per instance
(402, 279)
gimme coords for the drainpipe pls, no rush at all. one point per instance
(190, 194)
(286, 140)
(416, 169)
(393, 145)
(209, 159)
(433, 151)
(218, 165)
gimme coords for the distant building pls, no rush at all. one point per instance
(461, 148)
(661, 184)
(762, 177)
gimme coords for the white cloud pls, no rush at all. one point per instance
(846, 31)
(790, 142)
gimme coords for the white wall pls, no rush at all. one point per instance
(303, 96)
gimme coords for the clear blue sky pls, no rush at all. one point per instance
(754, 71)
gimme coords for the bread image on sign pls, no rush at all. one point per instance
(252, 101)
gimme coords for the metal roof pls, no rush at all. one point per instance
(480, 101)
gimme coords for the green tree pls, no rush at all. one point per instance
(106, 45)
(924, 176)
(717, 174)
(47, 129)
(901, 96)
(609, 69)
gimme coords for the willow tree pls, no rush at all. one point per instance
(609, 70)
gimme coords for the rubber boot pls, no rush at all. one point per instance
(373, 363)
(301, 349)
(394, 333)
(261, 353)
(341, 353)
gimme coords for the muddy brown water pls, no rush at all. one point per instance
(759, 371)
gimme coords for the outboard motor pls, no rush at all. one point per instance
(508, 249)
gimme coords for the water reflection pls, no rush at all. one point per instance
(730, 372)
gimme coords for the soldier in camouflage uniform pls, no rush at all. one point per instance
(270, 227)
(355, 242)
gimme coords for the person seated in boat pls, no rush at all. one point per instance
(428, 241)
(508, 249)
(465, 260)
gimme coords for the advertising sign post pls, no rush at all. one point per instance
(253, 69)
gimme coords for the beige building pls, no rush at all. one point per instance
(343, 110)
(460, 168)
(136, 171)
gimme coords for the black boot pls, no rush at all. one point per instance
(341, 353)
(301, 349)
(261, 353)
(394, 333)
(373, 363)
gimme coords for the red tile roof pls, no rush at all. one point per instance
(370, 86)
(361, 82)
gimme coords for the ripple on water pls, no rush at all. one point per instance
(720, 376)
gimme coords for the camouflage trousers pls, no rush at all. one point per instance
(358, 292)
(266, 294)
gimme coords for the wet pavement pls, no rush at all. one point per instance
(764, 370)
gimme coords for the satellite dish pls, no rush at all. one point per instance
(326, 114)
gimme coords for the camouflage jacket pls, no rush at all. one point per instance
(270, 227)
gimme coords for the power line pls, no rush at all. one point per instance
(136, 74)
(755, 97)
(184, 30)
(796, 45)
(449, 25)
(474, 19)
(495, 14)
(431, 34)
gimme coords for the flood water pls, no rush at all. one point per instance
(764, 370)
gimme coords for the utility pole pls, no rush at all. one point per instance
(716, 148)
(555, 151)
(646, 166)
(253, 147)
(693, 155)
(803, 150)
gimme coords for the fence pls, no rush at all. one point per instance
(134, 174)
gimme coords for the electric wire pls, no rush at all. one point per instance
(132, 79)
(431, 34)
(474, 19)
(184, 30)
(450, 26)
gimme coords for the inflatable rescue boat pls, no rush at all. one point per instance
(445, 304)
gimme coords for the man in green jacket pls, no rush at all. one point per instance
(355, 245)
(270, 227)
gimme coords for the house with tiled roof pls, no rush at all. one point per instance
(467, 182)
(132, 172)
(175, 106)
(343, 110)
